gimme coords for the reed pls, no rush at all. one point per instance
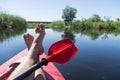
(11, 21)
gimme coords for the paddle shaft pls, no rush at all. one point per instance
(30, 70)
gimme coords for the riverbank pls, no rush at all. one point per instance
(32, 24)
(12, 21)
(83, 25)
(11, 25)
(87, 24)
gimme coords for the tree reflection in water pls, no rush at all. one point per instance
(92, 33)
(68, 34)
(7, 33)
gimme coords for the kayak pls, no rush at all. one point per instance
(51, 72)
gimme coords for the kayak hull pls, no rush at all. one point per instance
(51, 72)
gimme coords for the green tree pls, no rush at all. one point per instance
(107, 18)
(118, 19)
(95, 18)
(68, 14)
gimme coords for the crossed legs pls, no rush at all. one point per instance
(35, 48)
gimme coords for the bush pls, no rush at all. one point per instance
(57, 24)
(11, 21)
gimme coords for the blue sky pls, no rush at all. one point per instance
(51, 10)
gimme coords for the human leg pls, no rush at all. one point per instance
(33, 55)
(39, 73)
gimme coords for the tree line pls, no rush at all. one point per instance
(94, 22)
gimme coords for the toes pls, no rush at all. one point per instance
(28, 40)
(25, 36)
(39, 28)
(31, 38)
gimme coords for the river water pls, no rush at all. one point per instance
(97, 58)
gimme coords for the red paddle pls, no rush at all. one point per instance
(59, 52)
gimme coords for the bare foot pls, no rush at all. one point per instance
(39, 74)
(37, 43)
(35, 50)
(40, 31)
(28, 40)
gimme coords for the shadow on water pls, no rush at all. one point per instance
(7, 33)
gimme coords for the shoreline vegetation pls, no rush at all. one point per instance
(12, 21)
(93, 26)
(94, 22)
(11, 25)
(32, 24)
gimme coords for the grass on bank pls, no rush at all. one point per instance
(11, 25)
(32, 24)
(87, 24)
(11, 21)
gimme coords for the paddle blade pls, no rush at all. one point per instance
(61, 51)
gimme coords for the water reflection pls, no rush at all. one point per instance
(68, 34)
(7, 33)
(92, 33)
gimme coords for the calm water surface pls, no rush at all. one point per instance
(97, 59)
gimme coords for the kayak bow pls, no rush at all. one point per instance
(51, 72)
